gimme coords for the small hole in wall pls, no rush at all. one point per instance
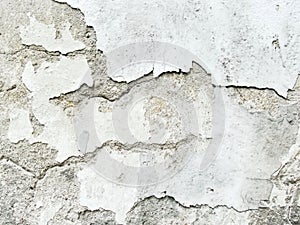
(211, 189)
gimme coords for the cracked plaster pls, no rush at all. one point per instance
(54, 67)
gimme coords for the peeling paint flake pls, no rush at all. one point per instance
(233, 40)
(20, 126)
(38, 33)
(149, 112)
(48, 81)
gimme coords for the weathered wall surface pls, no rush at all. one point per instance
(160, 112)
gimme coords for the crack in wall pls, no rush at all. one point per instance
(124, 88)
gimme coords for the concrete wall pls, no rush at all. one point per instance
(160, 112)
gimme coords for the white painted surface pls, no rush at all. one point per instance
(238, 178)
(20, 126)
(50, 80)
(38, 33)
(233, 39)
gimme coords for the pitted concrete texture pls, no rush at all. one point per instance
(158, 112)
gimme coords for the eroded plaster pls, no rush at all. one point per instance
(243, 43)
(82, 144)
(41, 34)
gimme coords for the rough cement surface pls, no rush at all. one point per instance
(61, 109)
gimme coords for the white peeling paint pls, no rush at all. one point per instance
(106, 195)
(236, 41)
(38, 33)
(51, 80)
(20, 126)
(239, 177)
(225, 37)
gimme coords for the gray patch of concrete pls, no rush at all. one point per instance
(50, 65)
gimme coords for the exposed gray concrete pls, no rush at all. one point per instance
(215, 143)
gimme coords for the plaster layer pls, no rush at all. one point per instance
(243, 43)
(55, 64)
